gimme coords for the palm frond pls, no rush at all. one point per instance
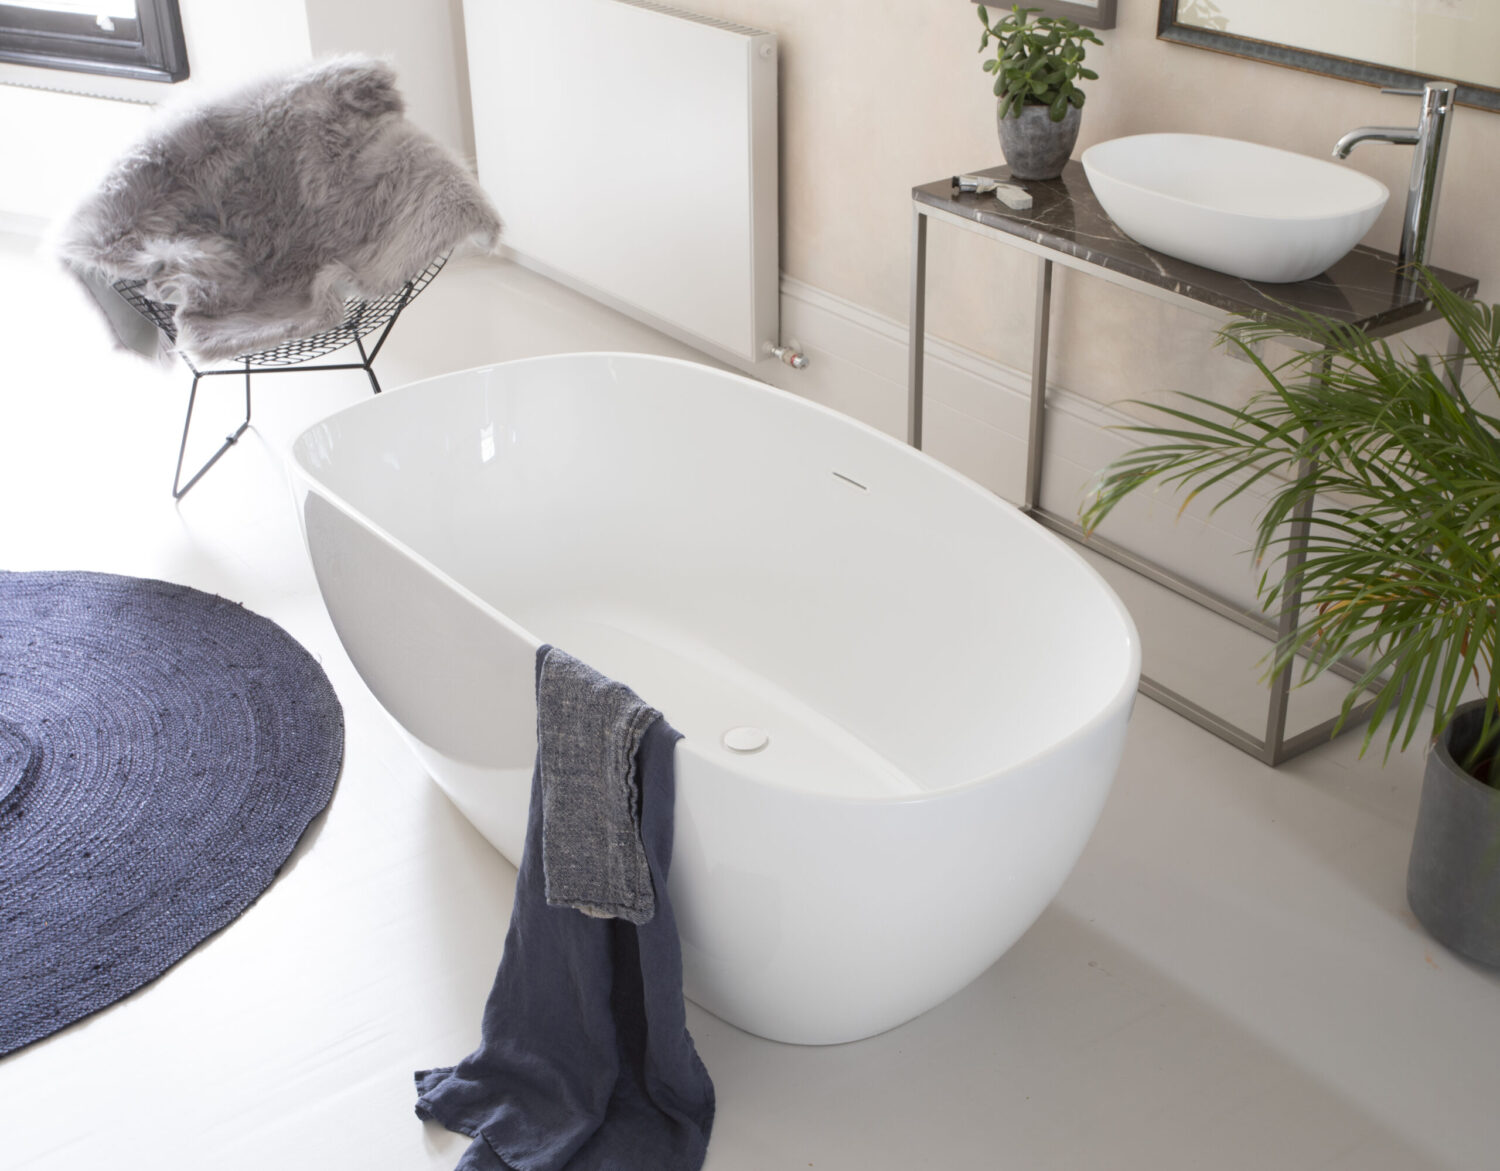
(1398, 564)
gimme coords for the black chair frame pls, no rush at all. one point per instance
(362, 318)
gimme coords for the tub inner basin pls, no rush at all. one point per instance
(741, 558)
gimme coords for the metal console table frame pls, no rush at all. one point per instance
(1067, 226)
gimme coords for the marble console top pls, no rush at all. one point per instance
(1363, 289)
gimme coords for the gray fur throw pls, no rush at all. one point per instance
(257, 215)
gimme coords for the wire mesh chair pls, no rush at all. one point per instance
(362, 318)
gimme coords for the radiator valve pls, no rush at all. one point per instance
(788, 354)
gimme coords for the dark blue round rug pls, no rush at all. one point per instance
(162, 750)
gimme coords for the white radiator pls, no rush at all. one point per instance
(631, 150)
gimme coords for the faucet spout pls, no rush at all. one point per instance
(1429, 137)
(1400, 135)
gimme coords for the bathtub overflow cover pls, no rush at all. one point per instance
(745, 739)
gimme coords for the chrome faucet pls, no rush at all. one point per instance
(1430, 138)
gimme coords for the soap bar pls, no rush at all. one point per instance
(1015, 198)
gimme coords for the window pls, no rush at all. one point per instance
(127, 38)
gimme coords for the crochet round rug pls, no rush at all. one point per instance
(162, 750)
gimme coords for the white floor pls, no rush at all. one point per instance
(1230, 979)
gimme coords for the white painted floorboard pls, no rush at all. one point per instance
(1230, 979)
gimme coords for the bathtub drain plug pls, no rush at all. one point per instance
(745, 739)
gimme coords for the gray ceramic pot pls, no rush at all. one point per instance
(1453, 883)
(1036, 147)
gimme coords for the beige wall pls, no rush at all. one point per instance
(877, 96)
(880, 95)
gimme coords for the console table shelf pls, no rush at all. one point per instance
(1065, 225)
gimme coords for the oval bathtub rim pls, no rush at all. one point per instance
(1123, 697)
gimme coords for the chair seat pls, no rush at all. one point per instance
(362, 317)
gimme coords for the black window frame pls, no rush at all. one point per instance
(150, 48)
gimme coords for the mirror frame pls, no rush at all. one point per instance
(159, 53)
(1168, 28)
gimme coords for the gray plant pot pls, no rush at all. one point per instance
(1453, 883)
(1036, 147)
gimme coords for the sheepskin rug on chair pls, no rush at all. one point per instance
(258, 214)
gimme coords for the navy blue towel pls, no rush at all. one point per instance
(585, 1062)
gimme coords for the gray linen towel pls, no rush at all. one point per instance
(585, 1062)
(588, 730)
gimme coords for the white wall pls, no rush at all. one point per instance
(56, 144)
(424, 39)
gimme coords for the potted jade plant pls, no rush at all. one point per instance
(1402, 565)
(1037, 66)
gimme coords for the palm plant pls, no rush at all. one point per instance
(1400, 571)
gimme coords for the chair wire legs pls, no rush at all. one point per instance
(370, 359)
(179, 489)
(366, 363)
(364, 317)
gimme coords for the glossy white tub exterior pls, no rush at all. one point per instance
(945, 685)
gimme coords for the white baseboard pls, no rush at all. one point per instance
(976, 419)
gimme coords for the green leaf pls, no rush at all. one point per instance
(1045, 51)
(1401, 551)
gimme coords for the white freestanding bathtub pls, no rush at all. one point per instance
(942, 686)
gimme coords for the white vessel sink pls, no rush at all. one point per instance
(1237, 207)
